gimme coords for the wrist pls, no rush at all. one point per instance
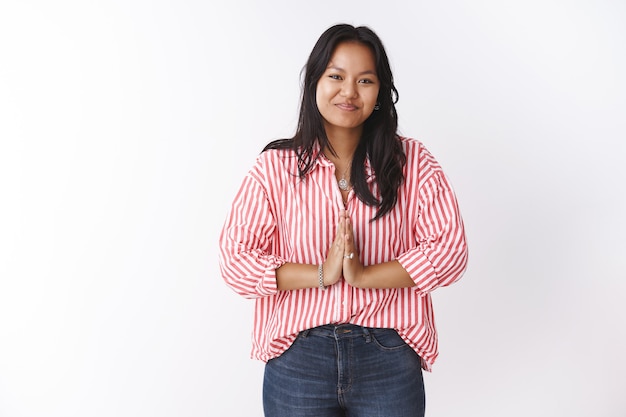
(320, 277)
(362, 278)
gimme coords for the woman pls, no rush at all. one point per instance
(340, 233)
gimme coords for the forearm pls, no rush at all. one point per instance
(291, 276)
(385, 275)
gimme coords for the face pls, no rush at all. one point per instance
(347, 91)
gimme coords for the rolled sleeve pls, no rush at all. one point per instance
(439, 257)
(246, 262)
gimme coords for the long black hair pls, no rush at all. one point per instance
(379, 141)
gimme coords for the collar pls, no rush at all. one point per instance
(324, 162)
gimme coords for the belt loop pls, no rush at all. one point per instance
(304, 333)
(367, 335)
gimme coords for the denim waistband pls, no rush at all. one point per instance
(340, 331)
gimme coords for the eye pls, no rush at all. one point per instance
(335, 76)
(366, 81)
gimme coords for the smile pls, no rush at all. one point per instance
(346, 106)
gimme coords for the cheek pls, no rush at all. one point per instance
(321, 91)
(322, 96)
(374, 97)
(370, 102)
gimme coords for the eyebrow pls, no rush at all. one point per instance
(361, 73)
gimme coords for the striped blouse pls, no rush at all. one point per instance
(276, 217)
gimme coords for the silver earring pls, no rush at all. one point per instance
(377, 106)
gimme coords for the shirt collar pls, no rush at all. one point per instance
(323, 161)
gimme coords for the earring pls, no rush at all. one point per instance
(377, 106)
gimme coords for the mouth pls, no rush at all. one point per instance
(346, 106)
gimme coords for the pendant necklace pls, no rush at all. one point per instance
(343, 183)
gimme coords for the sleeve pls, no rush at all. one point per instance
(246, 263)
(439, 257)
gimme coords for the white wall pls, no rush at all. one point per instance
(126, 127)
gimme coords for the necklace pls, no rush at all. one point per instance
(343, 183)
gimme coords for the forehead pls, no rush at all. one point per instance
(352, 55)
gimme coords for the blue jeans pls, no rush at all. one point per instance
(345, 370)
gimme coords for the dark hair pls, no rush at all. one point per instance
(379, 141)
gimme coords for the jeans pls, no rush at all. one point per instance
(345, 370)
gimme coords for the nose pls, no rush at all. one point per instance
(348, 89)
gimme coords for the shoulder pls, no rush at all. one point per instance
(273, 164)
(422, 168)
(272, 157)
(416, 152)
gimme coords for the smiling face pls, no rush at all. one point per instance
(347, 91)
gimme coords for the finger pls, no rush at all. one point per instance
(342, 224)
(348, 252)
(338, 244)
(342, 233)
(350, 232)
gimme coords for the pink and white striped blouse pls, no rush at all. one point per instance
(276, 217)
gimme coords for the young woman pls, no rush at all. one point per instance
(340, 233)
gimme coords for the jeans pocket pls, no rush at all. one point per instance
(387, 339)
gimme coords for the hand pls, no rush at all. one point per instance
(352, 266)
(333, 266)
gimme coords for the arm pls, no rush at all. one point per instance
(246, 264)
(384, 275)
(246, 260)
(291, 276)
(439, 256)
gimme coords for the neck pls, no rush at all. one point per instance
(344, 141)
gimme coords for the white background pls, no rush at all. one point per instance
(126, 127)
